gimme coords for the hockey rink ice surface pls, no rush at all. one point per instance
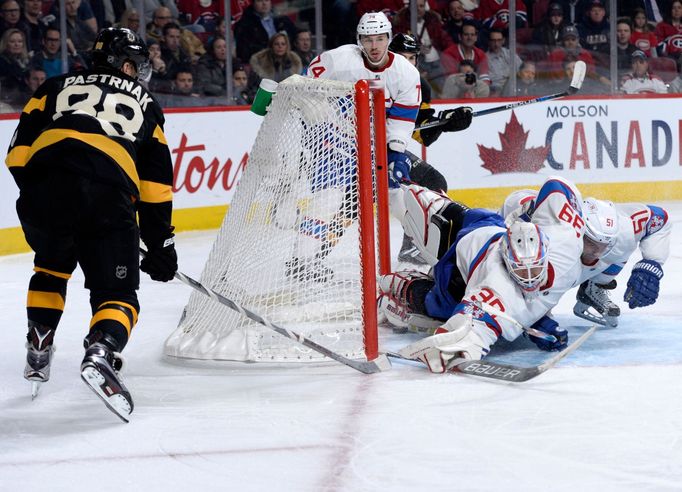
(607, 418)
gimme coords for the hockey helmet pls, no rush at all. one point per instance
(601, 225)
(404, 43)
(116, 45)
(524, 251)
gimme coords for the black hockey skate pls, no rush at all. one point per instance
(39, 353)
(596, 296)
(409, 253)
(311, 269)
(99, 370)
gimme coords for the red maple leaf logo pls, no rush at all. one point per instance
(514, 156)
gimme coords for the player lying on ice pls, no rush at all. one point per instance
(521, 270)
(614, 231)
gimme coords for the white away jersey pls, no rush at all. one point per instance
(401, 85)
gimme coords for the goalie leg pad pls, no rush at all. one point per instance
(422, 221)
(401, 299)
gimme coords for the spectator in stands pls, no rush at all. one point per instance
(189, 42)
(303, 47)
(81, 32)
(669, 31)
(466, 50)
(172, 53)
(465, 84)
(571, 47)
(257, 26)
(499, 61)
(525, 82)
(594, 34)
(33, 13)
(244, 88)
(643, 36)
(431, 36)
(623, 44)
(548, 34)
(130, 18)
(159, 81)
(494, 14)
(675, 85)
(277, 61)
(151, 7)
(641, 80)
(453, 26)
(11, 18)
(201, 16)
(211, 69)
(50, 57)
(34, 77)
(13, 64)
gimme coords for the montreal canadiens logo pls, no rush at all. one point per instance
(655, 224)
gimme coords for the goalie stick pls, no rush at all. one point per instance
(508, 372)
(379, 364)
(575, 85)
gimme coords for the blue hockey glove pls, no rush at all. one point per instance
(398, 168)
(643, 284)
(548, 325)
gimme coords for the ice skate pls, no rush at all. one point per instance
(39, 353)
(409, 253)
(596, 296)
(310, 269)
(99, 370)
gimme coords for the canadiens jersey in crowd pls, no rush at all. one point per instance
(104, 125)
(401, 79)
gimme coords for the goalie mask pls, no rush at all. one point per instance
(601, 228)
(116, 45)
(370, 24)
(524, 251)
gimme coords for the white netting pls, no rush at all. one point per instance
(288, 248)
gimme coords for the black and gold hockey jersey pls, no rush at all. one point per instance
(104, 125)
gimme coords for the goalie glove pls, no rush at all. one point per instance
(161, 263)
(457, 119)
(551, 327)
(460, 338)
(643, 284)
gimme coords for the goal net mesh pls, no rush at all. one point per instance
(288, 248)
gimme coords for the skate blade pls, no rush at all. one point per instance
(118, 404)
(35, 388)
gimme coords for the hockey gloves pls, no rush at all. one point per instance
(457, 119)
(161, 263)
(643, 284)
(551, 327)
(399, 165)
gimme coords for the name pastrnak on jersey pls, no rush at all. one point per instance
(106, 126)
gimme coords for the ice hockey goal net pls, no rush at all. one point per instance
(297, 245)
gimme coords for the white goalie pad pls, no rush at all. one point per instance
(421, 204)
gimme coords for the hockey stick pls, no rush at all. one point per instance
(492, 311)
(507, 372)
(576, 83)
(379, 364)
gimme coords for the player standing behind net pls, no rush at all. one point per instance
(90, 152)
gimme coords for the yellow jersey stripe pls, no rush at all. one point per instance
(34, 103)
(152, 192)
(101, 142)
(65, 276)
(125, 305)
(18, 156)
(114, 315)
(50, 300)
(158, 134)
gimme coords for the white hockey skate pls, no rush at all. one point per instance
(39, 353)
(595, 296)
(100, 370)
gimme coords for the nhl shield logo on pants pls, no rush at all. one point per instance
(121, 271)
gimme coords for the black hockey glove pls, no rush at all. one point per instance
(161, 263)
(457, 119)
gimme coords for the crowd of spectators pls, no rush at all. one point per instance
(464, 44)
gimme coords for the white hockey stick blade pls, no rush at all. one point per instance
(579, 72)
(507, 372)
(379, 364)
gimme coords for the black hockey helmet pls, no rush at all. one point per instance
(116, 45)
(404, 43)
